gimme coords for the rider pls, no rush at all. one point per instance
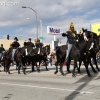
(29, 43)
(38, 43)
(25, 43)
(71, 34)
(80, 31)
(1, 50)
(15, 45)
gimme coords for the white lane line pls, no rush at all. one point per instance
(49, 88)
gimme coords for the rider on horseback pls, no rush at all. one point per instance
(38, 43)
(15, 45)
(29, 43)
(71, 34)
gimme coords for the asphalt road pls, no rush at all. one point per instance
(47, 86)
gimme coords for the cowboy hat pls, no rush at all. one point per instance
(16, 38)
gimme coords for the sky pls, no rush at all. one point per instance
(59, 13)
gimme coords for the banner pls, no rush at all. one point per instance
(53, 30)
(96, 28)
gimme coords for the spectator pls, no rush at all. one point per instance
(1, 50)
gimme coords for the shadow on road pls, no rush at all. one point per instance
(84, 79)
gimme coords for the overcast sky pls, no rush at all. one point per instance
(13, 18)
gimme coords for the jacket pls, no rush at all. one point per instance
(15, 45)
(71, 37)
(1, 49)
(30, 44)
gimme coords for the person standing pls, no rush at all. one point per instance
(1, 50)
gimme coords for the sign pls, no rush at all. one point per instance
(96, 28)
(53, 30)
(41, 37)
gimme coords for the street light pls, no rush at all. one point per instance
(36, 17)
(41, 28)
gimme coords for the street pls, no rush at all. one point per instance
(48, 86)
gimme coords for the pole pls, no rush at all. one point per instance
(41, 31)
(54, 38)
(36, 23)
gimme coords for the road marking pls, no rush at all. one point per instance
(49, 88)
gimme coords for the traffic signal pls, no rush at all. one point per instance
(7, 37)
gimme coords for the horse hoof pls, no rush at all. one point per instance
(18, 72)
(90, 75)
(73, 75)
(98, 70)
(69, 71)
(33, 70)
(9, 73)
(79, 72)
(24, 73)
(38, 71)
(55, 72)
(63, 74)
(95, 71)
(47, 70)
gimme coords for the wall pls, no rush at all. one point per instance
(6, 43)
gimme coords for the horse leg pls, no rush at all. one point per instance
(75, 65)
(92, 66)
(56, 64)
(86, 66)
(23, 68)
(33, 66)
(8, 69)
(38, 67)
(80, 62)
(17, 64)
(46, 66)
(95, 61)
(61, 70)
(68, 66)
(19, 68)
(4, 67)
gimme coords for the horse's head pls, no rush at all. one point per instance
(92, 38)
(27, 51)
(30, 51)
(87, 34)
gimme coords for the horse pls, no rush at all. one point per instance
(29, 55)
(38, 58)
(92, 51)
(7, 60)
(45, 50)
(39, 55)
(22, 57)
(77, 54)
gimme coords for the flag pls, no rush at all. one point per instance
(96, 28)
